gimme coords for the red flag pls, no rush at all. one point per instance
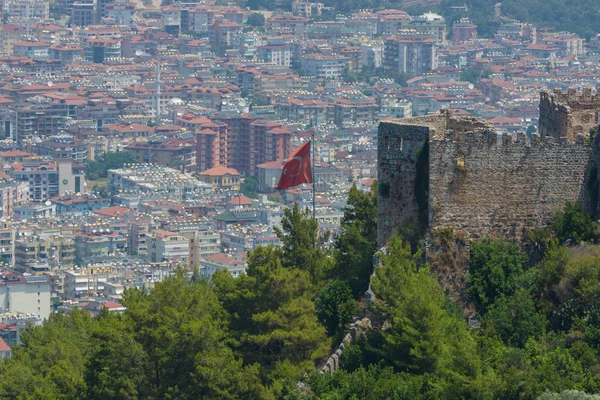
(296, 169)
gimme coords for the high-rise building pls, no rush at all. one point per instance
(411, 57)
(82, 13)
(28, 9)
(464, 31)
(40, 119)
(252, 141)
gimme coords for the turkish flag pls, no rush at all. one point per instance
(296, 169)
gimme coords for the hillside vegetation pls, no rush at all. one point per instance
(264, 335)
(577, 16)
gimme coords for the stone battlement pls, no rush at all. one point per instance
(568, 114)
(476, 181)
(444, 121)
(573, 98)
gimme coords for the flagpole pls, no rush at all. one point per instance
(313, 174)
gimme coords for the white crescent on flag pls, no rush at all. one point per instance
(295, 167)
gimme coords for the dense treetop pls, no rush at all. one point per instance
(534, 330)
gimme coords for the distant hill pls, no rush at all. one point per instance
(578, 16)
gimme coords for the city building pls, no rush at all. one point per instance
(280, 54)
(178, 152)
(221, 178)
(166, 246)
(463, 31)
(99, 50)
(86, 282)
(392, 107)
(409, 57)
(12, 194)
(224, 33)
(32, 211)
(60, 146)
(121, 11)
(26, 9)
(93, 243)
(25, 294)
(162, 181)
(322, 66)
(221, 262)
(5, 350)
(83, 13)
(9, 34)
(49, 179)
(55, 252)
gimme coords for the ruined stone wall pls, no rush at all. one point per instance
(402, 151)
(486, 188)
(403, 167)
(476, 183)
(568, 114)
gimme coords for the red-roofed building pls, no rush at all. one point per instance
(170, 152)
(224, 33)
(9, 34)
(218, 262)
(114, 211)
(221, 177)
(239, 202)
(5, 350)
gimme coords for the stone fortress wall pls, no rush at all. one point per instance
(441, 171)
(568, 114)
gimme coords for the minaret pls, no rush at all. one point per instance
(157, 92)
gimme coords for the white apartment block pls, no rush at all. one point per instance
(25, 294)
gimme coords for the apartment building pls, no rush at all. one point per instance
(169, 152)
(323, 66)
(353, 109)
(252, 141)
(49, 179)
(122, 12)
(55, 251)
(12, 194)
(200, 18)
(40, 118)
(9, 34)
(219, 262)
(99, 50)
(95, 243)
(27, 9)
(25, 294)
(86, 282)
(166, 246)
(225, 33)
(276, 53)
(411, 57)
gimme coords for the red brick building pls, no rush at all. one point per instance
(242, 141)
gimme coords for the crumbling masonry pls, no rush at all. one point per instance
(440, 171)
(568, 114)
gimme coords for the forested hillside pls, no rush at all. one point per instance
(577, 16)
(535, 331)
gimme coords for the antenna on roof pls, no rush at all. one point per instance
(50, 83)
